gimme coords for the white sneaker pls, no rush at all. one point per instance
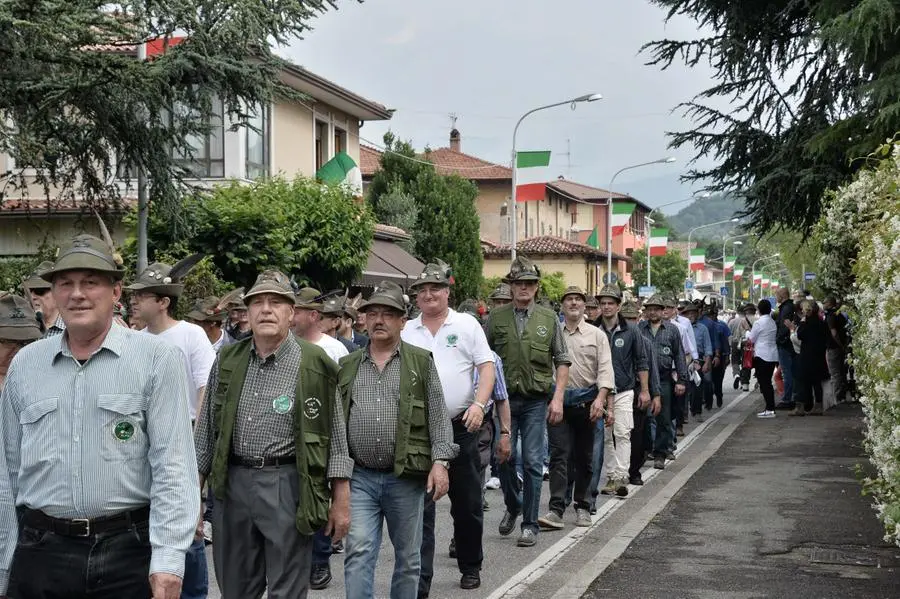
(492, 483)
(766, 414)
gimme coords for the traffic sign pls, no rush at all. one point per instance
(609, 278)
(723, 291)
(809, 276)
(688, 284)
(645, 291)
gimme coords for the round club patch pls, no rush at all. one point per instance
(620, 342)
(312, 407)
(282, 405)
(667, 351)
(124, 430)
(542, 331)
(452, 339)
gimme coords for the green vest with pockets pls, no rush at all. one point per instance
(412, 445)
(314, 400)
(527, 360)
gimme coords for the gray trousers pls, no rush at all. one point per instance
(837, 368)
(257, 545)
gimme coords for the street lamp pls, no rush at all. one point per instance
(687, 199)
(515, 212)
(691, 232)
(609, 209)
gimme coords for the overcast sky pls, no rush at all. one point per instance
(489, 61)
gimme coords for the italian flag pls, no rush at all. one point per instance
(621, 214)
(531, 175)
(659, 238)
(594, 239)
(775, 284)
(765, 282)
(757, 279)
(738, 271)
(342, 170)
(729, 263)
(698, 259)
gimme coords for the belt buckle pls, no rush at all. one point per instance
(258, 462)
(87, 526)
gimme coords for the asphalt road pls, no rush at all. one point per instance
(750, 508)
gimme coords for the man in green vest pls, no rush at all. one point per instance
(270, 438)
(401, 442)
(530, 341)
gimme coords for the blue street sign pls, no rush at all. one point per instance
(809, 276)
(688, 284)
(645, 291)
(723, 291)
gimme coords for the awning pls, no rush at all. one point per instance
(389, 262)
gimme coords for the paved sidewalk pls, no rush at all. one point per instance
(777, 512)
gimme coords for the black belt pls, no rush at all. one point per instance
(379, 470)
(84, 527)
(261, 462)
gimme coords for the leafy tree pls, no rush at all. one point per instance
(803, 90)
(666, 272)
(397, 208)
(447, 227)
(77, 103)
(488, 284)
(552, 286)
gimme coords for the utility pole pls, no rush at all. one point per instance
(143, 209)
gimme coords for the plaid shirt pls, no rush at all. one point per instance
(499, 393)
(260, 431)
(667, 347)
(373, 414)
(57, 328)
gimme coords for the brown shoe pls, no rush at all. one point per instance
(817, 410)
(798, 411)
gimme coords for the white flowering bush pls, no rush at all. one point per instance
(859, 240)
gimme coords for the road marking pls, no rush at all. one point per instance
(518, 584)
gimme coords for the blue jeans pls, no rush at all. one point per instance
(321, 548)
(528, 424)
(786, 359)
(196, 574)
(597, 460)
(376, 497)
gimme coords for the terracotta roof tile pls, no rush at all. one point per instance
(586, 193)
(369, 160)
(19, 206)
(550, 245)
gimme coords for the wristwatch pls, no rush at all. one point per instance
(444, 463)
(483, 407)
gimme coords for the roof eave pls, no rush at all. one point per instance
(346, 101)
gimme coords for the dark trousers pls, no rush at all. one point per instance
(696, 397)
(764, 371)
(571, 450)
(808, 391)
(321, 553)
(707, 385)
(638, 443)
(664, 419)
(465, 509)
(103, 566)
(718, 377)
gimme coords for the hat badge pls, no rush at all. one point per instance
(167, 280)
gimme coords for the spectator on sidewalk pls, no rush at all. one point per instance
(812, 333)
(765, 355)
(836, 352)
(786, 312)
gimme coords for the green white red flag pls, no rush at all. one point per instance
(738, 271)
(698, 258)
(532, 173)
(757, 279)
(621, 214)
(659, 239)
(765, 282)
(729, 263)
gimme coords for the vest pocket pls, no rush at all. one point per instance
(316, 448)
(418, 460)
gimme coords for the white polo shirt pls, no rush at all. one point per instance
(458, 348)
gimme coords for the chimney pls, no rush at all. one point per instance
(455, 140)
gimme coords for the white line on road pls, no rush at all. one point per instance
(516, 585)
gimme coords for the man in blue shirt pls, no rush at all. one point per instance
(704, 353)
(720, 338)
(715, 353)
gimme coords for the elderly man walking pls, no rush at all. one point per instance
(270, 439)
(401, 442)
(98, 484)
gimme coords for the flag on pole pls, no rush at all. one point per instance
(532, 175)
(765, 282)
(738, 271)
(698, 258)
(594, 240)
(757, 278)
(621, 214)
(342, 170)
(775, 284)
(729, 263)
(659, 239)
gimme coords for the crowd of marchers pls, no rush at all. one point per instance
(283, 426)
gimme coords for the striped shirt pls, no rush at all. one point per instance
(499, 393)
(100, 438)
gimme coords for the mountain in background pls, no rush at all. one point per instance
(707, 210)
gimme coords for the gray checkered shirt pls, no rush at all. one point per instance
(260, 431)
(373, 414)
(57, 328)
